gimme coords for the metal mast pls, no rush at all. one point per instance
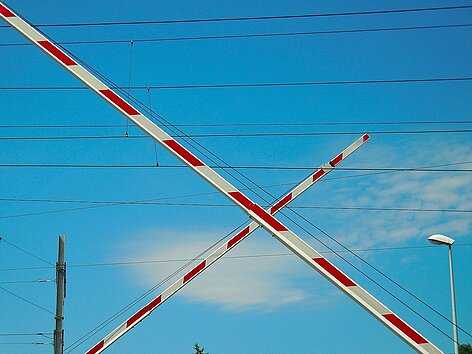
(60, 295)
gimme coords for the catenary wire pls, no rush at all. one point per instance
(254, 84)
(27, 281)
(25, 251)
(230, 125)
(26, 300)
(25, 334)
(255, 18)
(210, 193)
(248, 36)
(24, 343)
(242, 167)
(261, 255)
(234, 135)
(230, 205)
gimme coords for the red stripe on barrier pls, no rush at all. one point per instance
(365, 137)
(336, 160)
(141, 312)
(96, 348)
(184, 153)
(242, 199)
(318, 174)
(238, 237)
(194, 271)
(57, 53)
(5, 12)
(119, 102)
(402, 326)
(281, 203)
(335, 272)
(264, 215)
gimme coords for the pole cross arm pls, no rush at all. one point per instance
(255, 211)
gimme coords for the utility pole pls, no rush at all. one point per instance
(60, 295)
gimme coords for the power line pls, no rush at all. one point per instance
(242, 167)
(213, 193)
(101, 202)
(240, 85)
(25, 334)
(231, 125)
(265, 255)
(260, 255)
(249, 36)
(26, 300)
(27, 281)
(25, 251)
(24, 343)
(253, 18)
(234, 135)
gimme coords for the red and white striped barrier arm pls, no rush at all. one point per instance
(255, 211)
(145, 311)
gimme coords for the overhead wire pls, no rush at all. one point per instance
(25, 334)
(27, 301)
(250, 36)
(27, 281)
(25, 251)
(231, 125)
(207, 204)
(240, 167)
(246, 256)
(235, 135)
(210, 193)
(253, 84)
(255, 18)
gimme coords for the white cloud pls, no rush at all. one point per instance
(441, 190)
(233, 284)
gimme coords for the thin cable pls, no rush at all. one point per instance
(210, 193)
(254, 84)
(231, 205)
(231, 125)
(249, 36)
(154, 142)
(264, 255)
(26, 300)
(25, 251)
(23, 343)
(242, 167)
(27, 281)
(129, 78)
(25, 334)
(234, 135)
(253, 18)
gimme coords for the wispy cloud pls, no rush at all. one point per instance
(408, 190)
(232, 284)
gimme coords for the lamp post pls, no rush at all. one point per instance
(438, 239)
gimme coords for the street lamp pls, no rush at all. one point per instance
(438, 239)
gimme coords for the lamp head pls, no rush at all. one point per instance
(438, 239)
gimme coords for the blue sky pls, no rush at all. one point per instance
(253, 305)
